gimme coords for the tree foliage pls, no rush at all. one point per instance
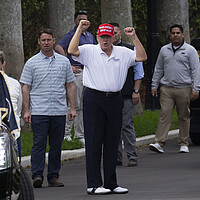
(93, 7)
(139, 14)
(33, 20)
(194, 20)
(35, 17)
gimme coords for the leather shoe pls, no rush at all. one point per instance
(37, 182)
(120, 190)
(132, 163)
(54, 182)
(119, 163)
(98, 191)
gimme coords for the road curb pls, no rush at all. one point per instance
(70, 154)
(150, 138)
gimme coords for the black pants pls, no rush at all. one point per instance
(102, 116)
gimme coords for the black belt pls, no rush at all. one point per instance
(107, 94)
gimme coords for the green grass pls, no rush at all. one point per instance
(145, 124)
(27, 143)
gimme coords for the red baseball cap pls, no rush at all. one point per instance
(106, 29)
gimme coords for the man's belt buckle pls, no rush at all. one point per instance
(108, 93)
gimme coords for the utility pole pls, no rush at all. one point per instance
(151, 103)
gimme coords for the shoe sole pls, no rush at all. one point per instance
(132, 165)
(152, 148)
(93, 193)
(53, 185)
(183, 151)
(119, 192)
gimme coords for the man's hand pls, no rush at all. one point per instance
(27, 117)
(194, 95)
(130, 31)
(84, 24)
(154, 92)
(140, 52)
(135, 98)
(76, 69)
(72, 114)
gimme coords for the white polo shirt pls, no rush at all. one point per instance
(105, 73)
(14, 88)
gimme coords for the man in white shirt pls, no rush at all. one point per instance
(16, 98)
(104, 75)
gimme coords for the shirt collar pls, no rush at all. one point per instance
(45, 57)
(181, 47)
(113, 54)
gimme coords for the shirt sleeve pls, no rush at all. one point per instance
(138, 71)
(19, 107)
(26, 76)
(158, 71)
(64, 42)
(69, 75)
(20, 101)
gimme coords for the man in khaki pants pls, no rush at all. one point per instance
(177, 70)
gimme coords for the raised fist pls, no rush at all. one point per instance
(129, 31)
(84, 24)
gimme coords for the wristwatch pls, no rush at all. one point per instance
(136, 91)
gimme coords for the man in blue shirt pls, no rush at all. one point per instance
(61, 47)
(45, 78)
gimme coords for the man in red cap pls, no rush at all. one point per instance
(104, 75)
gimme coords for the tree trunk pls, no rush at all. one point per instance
(120, 12)
(61, 17)
(11, 36)
(172, 12)
(117, 11)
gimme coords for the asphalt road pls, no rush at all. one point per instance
(168, 176)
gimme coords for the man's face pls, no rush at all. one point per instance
(105, 42)
(117, 35)
(46, 42)
(176, 36)
(79, 18)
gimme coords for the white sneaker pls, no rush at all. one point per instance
(82, 141)
(156, 148)
(184, 149)
(67, 137)
(120, 190)
(100, 190)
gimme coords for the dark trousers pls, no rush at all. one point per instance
(43, 126)
(128, 132)
(19, 148)
(102, 116)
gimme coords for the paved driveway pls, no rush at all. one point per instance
(168, 176)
